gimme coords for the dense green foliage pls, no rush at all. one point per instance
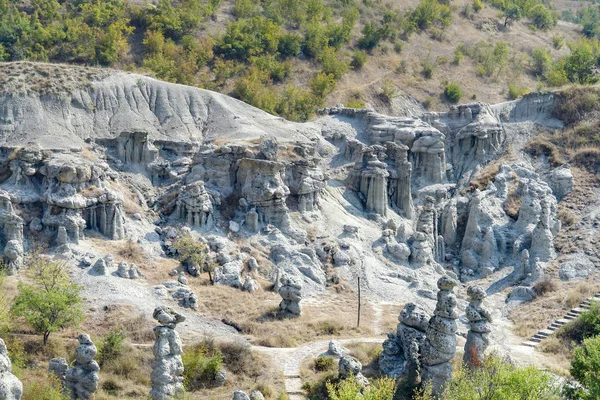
(453, 92)
(498, 380)
(585, 367)
(193, 252)
(111, 347)
(381, 389)
(201, 363)
(51, 302)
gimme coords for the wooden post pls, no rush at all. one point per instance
(358, 321)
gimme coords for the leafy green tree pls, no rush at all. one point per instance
(333, 62)
(371, 36)
(297, 104)
(512, 12)
(579, 65)
(541, 61)
(322, 84)
(193, 252)
(453, 92)
(51, 302)
(290, 45)
(585, 367)
(249, 37)
(542, 18)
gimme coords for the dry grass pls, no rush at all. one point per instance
(512, 204)
(587, 157)
(576, 104)
(544, 287)
(483, 178)
(541, 146)
(530, 317)
(256, 315)
(567, 218)
(132, 252)
(91, 192)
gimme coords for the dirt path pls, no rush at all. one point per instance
(290, 360)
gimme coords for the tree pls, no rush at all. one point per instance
(579, 65)
(192, 252)
(51, 302)
(453, 92)
(541, 17)
(585, 367)
(541, 61)
(512, 12)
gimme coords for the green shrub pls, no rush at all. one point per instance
(371, 36)
(541, 61)
(585, 326)
(558, 41)
(290, 45)
(585, 367)
(541, 17)
(333, 62)
(44, 387)
(359, 59)
(322, 84)
(429, 102)
(557, 76)
(324, 364)
(477, 5)
(398, 47)
(514, 91)
(111, 347)
(428, 68)
(499, 380)
(380, 389)
(453, 92)
(201, 363)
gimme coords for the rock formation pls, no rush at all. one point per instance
(440, 345)
(291, 293)
(350, 367)
(479, 328)
(59, 367)
(82, 379)
(167, 367)
(194, 205)
(401, 355)
(11, 387)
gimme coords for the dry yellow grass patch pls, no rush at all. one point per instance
(530, 317)
(255, 315)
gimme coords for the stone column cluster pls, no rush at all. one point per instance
(82, 379)
(291, 294)
(479, 327)
(167, 367)
(440, 345)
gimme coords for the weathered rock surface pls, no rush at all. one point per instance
(167, 367)
(291, 294)
(440, 344)
(82, 379)
(11, 387)
(350, 367)
(479, 328)
(576, 266)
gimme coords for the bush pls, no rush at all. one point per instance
(398, 47)
(497, 379)
(558, 41)
(333, 63)
(585, 367)
(324, 364)
(541, 61)
(428, 68)
(371, 36)
(566, 217)
(542, 18)
(514, 92)
(453, 92)
(43, 387)
(201, 363)
(380, 389)
(458, 56)
(389, 91)
(585, 326)
(111, 347)
(477, 5)
(322, 84)
(544, 286)
(359, 59)
(289, 45)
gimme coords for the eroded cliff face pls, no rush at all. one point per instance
(352, 193)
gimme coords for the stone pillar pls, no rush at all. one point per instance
(11, 387)
(291, 293)
(403, 189)
(542, 240)
(167, 367)
(440, 345)
(82, 379)
(479, 328)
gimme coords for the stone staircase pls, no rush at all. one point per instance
(570, 316)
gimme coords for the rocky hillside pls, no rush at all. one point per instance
(113, 171)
